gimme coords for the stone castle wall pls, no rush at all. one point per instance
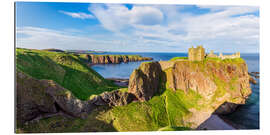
(196, 54)
(233, 56)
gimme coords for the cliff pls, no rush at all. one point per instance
(112, 59)
(42, 99)
(192, 91)
(68, 70)
(58, 92)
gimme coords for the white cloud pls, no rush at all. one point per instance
(117, 17)
(157, 28)
(41, 38)
(79, 15)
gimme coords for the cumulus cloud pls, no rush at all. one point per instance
(229, 27)
(117, 17)
(79, 15)
(158, 28)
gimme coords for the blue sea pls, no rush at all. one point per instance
(247, 116)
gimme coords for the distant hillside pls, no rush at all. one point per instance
(68, 70)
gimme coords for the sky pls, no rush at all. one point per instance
(136, 27)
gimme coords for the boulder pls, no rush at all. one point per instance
(252, 80)
(117, 98)
(144, 82)
(32, 99)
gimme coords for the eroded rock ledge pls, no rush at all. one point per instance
(112, 59)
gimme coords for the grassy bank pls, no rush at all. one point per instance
(65, 69)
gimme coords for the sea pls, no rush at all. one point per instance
(246, 116)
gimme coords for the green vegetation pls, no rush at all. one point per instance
(178, 58)
(98, 121)
(166, 111)
(235, 60)
(163, 112)
(65, 69)
(168, 128)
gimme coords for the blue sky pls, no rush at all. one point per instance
(136, 28)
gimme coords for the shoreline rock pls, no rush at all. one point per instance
(254, 74)
(252, 80)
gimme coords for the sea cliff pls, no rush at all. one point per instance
(199, 88)
(112, 59)
(58, 92)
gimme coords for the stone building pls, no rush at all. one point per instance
(196, 54)
(211, 55)
(233, 56)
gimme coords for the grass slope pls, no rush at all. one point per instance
(65, 69)
(163, 112)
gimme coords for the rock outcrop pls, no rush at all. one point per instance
(224, 84)
(112, 59)
(114, 98)
(36, 98)
(145, 81)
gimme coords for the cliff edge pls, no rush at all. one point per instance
(198, 87)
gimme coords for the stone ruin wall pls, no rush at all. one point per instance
(198, 54)
(233, 56)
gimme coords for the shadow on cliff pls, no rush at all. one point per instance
(217, 122)
(67, 124)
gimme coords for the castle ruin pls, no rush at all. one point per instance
(198, 54)
(236, 55)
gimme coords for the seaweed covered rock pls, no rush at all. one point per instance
(145, 81)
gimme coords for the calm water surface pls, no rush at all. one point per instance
(246, 115)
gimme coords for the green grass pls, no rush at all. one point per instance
(235, 60)
(176, 110)
(169, 128)
(178, 58)
(65, 69)
(98, 121)
(165, 110)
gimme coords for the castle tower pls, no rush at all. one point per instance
(191, 54)
(196, 54)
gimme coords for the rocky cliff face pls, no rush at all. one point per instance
(112, 59)
(218, 83)
(145, 81)
(40, 98)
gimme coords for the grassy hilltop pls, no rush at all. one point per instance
(68, 70)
